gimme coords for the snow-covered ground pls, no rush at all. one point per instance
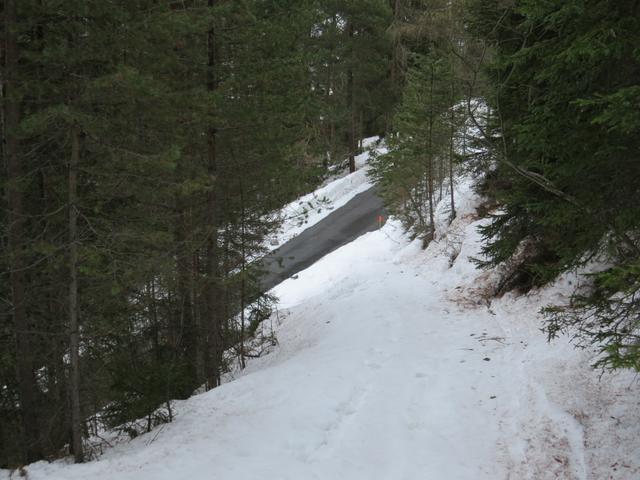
(308, 210)
(390, 366)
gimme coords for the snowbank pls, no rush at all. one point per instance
(310, 209)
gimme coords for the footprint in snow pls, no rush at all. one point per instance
(373, 366)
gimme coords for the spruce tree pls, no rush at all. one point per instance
(352, 73)
(409, 173)
(419, 168)
(149, 147)
(564, 82)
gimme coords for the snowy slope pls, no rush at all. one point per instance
(309, 209)
(389, 367)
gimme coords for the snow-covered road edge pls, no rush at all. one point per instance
(310, 209)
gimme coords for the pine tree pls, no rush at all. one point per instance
(408, 174)
(564, 80)
(148, 146)
(423, 149)
(16, 233)
(353, 71)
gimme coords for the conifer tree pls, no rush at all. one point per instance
(564, 80)
(149, 146)
(413, 176)
(107, 121)
(353, 71)
(408, 174)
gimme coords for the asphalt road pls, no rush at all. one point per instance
(355, 218)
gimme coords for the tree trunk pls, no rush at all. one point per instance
(430, 193)
(214, 334)
(199, 318)
(440, 177)
(155, 321)
(452, 132)
(243, 282)
(396, 8)
(396, 75)
(351, 103)
(74, 341)
(27, 386)
(183, 334)
(329, 106)
(430, 156)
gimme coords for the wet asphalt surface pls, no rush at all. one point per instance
(355, 218)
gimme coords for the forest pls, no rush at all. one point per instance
(149, 145)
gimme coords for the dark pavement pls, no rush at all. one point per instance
(357, 217)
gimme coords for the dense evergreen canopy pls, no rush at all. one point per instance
(148, 146)
(565, 86)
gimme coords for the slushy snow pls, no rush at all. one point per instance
(391, 366)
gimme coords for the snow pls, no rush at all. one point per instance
(313, 207)
(391, 364)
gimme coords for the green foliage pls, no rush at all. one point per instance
(565, 80)
(142, 386)
(421, 122)
(607, 316)
(349, 40)
(135, 78)
(557, 107)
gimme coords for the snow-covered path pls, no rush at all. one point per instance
(399, 383)
(389, 368)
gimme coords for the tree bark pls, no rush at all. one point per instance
(451, 149)
(27, 386)
(183, 333)
(214, 334)
(396, 47)
(243, 272)
(430, 155)
(351, 102)
(331, 110)
(74, 334)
